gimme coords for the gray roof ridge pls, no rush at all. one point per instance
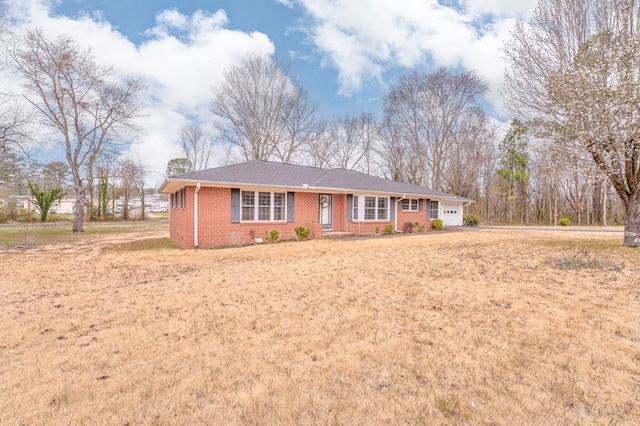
(324, 175)
(285, 164)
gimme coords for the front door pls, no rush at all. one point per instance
(325, 211)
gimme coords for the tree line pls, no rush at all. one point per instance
(433, 132)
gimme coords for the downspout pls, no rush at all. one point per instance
(195, 215)
(395, 224)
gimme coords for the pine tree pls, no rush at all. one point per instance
(513, 168)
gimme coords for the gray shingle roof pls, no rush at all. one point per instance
(266, 173)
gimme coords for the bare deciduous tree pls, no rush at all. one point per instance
(128, 171)
(77, 99)
(262, 111)
(431, 114)
(196, 145)
(14, 132)
(351, 140)
(574, 75)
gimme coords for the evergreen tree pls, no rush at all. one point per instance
(513, 163)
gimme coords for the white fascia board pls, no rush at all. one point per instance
(302, 188)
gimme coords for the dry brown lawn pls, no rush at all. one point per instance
(475, 327)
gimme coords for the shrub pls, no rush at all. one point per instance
(581, 258)
(6, 216)
(388, 229)
(564, 221)
(302, 232)
(470, 220)
(408, 227)
(418, 227)
(272, 235)
(436, 224)
(26, 218)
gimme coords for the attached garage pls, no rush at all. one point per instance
(451, 214)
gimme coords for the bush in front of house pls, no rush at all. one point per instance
(388, 229)
(437, 225)
(564, 221)
(407, 228)
(272, 235)
(302, 232)
(470, 220)
(418, 227)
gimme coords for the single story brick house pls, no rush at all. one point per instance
(238, 203)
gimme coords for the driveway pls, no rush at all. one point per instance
(616, 229)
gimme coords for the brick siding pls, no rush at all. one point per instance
(215, 228)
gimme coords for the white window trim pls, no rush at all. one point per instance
(429, 209)
(359, 208)
(256, 207)
(411, 205)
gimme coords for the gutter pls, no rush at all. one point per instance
(301, 188)
(195, 215)
(395, 224)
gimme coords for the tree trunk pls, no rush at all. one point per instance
(78, 217)
(632, 221)
(597, 202)
(604, 207)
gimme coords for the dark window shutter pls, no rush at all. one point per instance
(235, 205)
(290, 207)
(349, 207)
(420, 205)
(392, 208)
(428, 208)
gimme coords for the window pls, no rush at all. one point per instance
(369, 208)
(279, 204)
(375, 208)
(248, 205)
(179, 198)
(271, 206)
(410, 204)
(433, 210)
(355, 208)
(383, 208)
(264, 206)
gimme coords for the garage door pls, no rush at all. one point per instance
(452, 214)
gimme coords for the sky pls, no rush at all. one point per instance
(346, 53)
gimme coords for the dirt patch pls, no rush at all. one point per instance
(462, 327)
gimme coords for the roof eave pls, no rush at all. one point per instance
(173, 184)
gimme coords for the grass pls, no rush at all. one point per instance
(30, 235)
(472, 327)
(143, 244)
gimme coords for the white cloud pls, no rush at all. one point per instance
(183, 57)
(363, 38)
(287, 3)
(501, 8)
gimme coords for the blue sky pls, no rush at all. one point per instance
(345, 52)
(284, 25)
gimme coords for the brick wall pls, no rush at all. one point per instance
(214, 220)
(215, 228)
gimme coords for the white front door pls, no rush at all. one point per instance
(325, 211)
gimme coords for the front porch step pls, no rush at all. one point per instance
(337, 234)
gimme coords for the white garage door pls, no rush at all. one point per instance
(452, 214)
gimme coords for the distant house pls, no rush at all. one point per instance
(240, 202)
(64, 206)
